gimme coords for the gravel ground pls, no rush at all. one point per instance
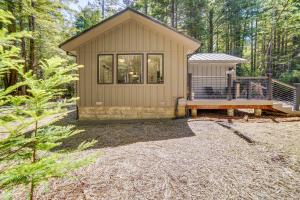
(284, 137)
(177, 159)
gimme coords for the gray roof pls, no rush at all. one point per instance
(215, 58)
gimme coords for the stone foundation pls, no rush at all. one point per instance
(108, 113)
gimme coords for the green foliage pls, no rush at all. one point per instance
(28, 135)
(8, 51)
(29, 114)
(87, 17)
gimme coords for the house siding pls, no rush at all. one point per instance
(132, 37)
(210, 69)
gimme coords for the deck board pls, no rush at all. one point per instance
(229, 104)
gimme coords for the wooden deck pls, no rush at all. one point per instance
(209, 104)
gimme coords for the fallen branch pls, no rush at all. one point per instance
(238, 133)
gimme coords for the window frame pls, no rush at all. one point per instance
(113, 68)
(142, 67)
(163, 67)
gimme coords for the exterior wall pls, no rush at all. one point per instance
(209, 69)
(132, 37)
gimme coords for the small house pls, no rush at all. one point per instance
(137, 67)
(134, 67)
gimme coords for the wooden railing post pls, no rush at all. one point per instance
(249, 89)
(237, 89)
(229, 86)
(270, 89)
(297, 103)
(190, 86)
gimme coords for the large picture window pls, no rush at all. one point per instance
(155, 68)
(105, 69)
(130, 68)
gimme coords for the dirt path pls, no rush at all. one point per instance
(165, 160)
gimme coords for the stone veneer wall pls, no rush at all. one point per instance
(106, 113)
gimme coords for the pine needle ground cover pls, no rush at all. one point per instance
(177, 159)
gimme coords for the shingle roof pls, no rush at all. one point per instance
(215, 58)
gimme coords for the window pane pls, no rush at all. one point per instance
(155, 69)
(130, 68)
(105, 69)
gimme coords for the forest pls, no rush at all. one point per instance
(266, 32)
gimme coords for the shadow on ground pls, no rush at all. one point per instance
(117, 133)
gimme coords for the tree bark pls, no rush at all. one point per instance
(23, 45)
(252, 45)
(263, 51)
(286, 43)
(146, 7)
(31, 60)
(11, 77)
(173, 2)
(255, 48)
(103, 9)
(211, 30)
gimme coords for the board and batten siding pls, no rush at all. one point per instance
(132, 37)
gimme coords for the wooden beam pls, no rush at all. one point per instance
(225, 107)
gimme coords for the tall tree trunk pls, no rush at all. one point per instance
(243, 38)
(278, 43)
(227, 39)
(23, 44)
(255, 48)
(31, 60)
(274, 41)
(282, 43)
(103, 9)
(263, 51)
(270, 51)
(146, 7)
(176, 14)
(252, 45)
(173, 2)
(211, 30)
(286, 43)
(11, 78)
(217, 41)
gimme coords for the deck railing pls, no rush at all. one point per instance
(224, 87)
(285, 93)
(231, 87)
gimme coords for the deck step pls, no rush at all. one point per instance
(285, 108)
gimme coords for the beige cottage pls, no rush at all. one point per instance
(137, 67)
(134, 67)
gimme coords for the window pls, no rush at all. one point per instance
(130, 68)
(105, 68)
(155, 68)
